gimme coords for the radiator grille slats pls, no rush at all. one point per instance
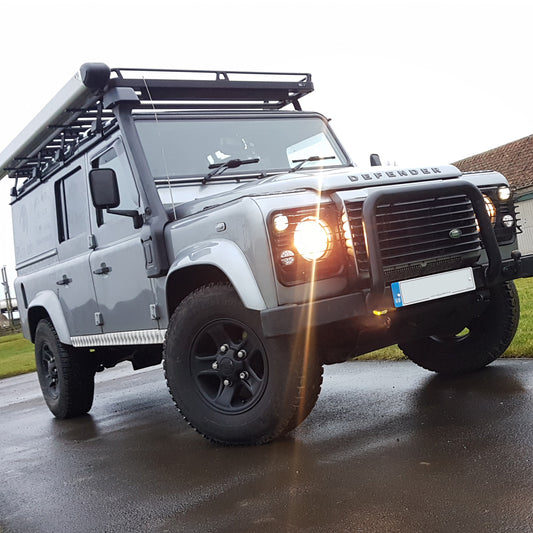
(419, 237)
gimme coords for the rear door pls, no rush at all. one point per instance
(73, 276)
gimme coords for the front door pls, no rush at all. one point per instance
(124, 293)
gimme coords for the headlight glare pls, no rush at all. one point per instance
(312, 239)
(491, 208)
(347, 234)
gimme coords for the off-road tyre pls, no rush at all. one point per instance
(65, 374)
(230, 383)
(483, 340)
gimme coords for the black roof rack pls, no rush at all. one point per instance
(226, 89)
(77, 112)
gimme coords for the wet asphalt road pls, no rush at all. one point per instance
(388, 448)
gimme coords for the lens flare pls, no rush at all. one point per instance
(312, 239)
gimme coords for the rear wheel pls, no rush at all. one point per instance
(65, 375)
(229, 382)
(481, 341)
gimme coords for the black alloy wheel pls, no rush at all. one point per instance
(230, 383)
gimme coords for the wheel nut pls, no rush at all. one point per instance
(243, 375)
(241, 354)
(227, 383)
(224, 348)
(214, 366)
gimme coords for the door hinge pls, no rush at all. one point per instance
(98, 319)
(91, 241)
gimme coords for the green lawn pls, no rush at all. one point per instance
(16, 353)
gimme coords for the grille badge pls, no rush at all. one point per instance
(455, 233)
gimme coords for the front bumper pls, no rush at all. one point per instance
(291, 319)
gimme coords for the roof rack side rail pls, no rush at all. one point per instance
(79, 92)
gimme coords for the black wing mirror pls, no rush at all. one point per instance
(104, 188)
(105, 194)
(375, 160)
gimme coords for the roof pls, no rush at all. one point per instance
(514, 160)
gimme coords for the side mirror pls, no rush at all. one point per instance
(375, 160)
(104, 188)
(105, 195)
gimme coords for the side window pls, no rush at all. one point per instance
(71, 206)
(115, 158)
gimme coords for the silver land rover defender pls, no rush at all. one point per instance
(189, 217)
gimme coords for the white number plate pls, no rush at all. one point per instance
(413, 291)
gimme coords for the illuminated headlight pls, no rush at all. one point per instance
(504, 193)
(306, 243)
(312, 239)
(508, 221)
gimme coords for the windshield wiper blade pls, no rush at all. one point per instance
(219, 168)
(302, 162)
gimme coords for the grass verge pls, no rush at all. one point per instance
(17, 357)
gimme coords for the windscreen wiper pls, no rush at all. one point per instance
(232, 163)
(302, 162)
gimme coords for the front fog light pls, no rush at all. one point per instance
(312, 239)
(508, 221)
(287, 257)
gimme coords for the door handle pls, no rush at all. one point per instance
(104, 269)
(64, 280)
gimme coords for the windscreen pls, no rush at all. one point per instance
(187, 148)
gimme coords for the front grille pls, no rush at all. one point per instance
(415, 236)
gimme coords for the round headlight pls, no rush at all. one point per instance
(312, 239)
(281, 222)
(504, 193)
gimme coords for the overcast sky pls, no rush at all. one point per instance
(419, 82)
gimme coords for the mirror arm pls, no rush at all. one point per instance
(137, 218)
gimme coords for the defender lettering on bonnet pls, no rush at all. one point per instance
(401, 173)
(192, 217)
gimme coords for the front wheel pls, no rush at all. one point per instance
(480, 342)
(65, 375)
(229, 382)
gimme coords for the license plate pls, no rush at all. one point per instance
(413, 291)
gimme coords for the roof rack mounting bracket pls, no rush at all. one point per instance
(119, 94)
